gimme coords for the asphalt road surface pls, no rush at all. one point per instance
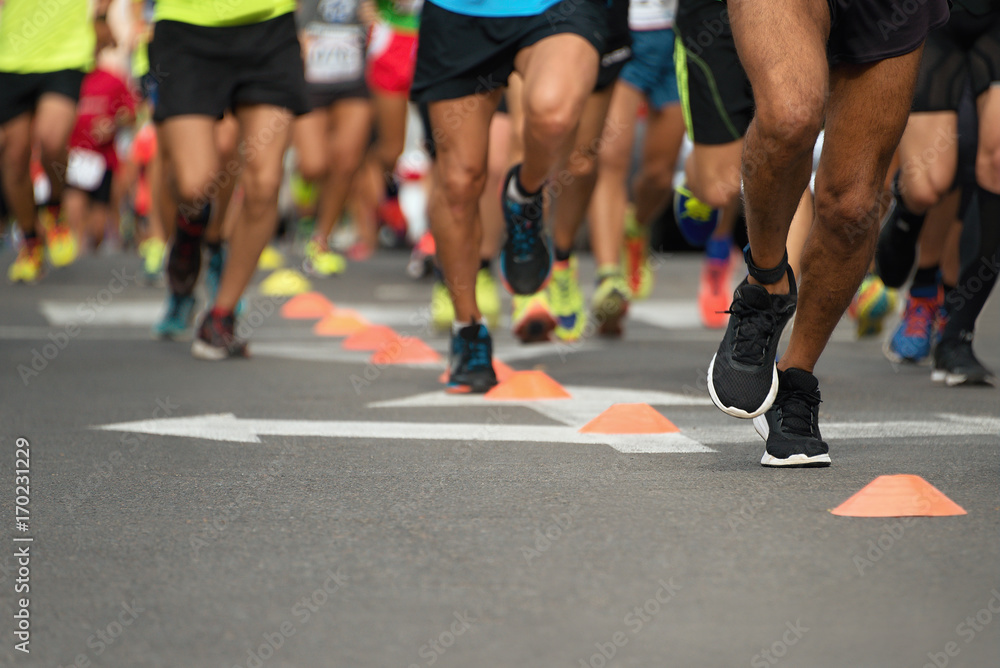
(310, 508)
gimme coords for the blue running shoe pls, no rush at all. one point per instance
(526, 258)
(695, 219)
(911, 342)
(177, 319)
(471, 363)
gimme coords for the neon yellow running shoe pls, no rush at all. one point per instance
(442, 308)
(152, 251)
(532, 318)
(567, 301)
(635, 257)
(29, 265)
(61, 245)
(872, 303)
(610, 303)
(322, 262)
(488, 298)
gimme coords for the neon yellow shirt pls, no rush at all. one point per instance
(40, 36)
(217, 13)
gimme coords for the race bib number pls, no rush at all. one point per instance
(85, 169)
(334, 54)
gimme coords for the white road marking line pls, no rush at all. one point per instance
(227, 427)
(117, 313)
(586, 402)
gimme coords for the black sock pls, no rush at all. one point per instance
(563, 255)
(925, 277)
(979, 275)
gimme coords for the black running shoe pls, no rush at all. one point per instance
(217, 340)
(742, 378)
(956, 364)
(897, 243)
(471, 363)
(791, 425)
(526, 258)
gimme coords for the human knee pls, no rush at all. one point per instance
(923, 192)
(312, 165)
(462, 184)
(988, 168)
(549, 114)
(787, 126)
(260, 189)
(717, 187)
(848, 217)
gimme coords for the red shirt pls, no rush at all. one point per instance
(102, 97)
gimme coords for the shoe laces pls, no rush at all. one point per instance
(523, 237)
(754, 330)
(474, 354)
(798, 412)
(918, 319)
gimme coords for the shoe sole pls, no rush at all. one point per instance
(545, 281)
(793, 462)
(610, 313)
(739, 412)
(204, 351)
(535, 328)
(896, 358)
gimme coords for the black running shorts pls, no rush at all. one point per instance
(19, 93)
(207, 70)
(965, 51)
(867, 31)
(715, 93)
(618, 45)
(460, 55)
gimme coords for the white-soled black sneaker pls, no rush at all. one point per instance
(742, 377)
(956, 364)
(791, 426)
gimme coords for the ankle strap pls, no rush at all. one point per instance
(766, 276)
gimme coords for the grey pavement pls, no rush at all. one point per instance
(295, 547)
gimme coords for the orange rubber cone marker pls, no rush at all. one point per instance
(405, 350)
(898, 496)
(630, 419)
(307, 306)
(527, 385)
(341, 322)
(502, 371)
(371, 338)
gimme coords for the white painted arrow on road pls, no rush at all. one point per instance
(227, 427)
(584, 404)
